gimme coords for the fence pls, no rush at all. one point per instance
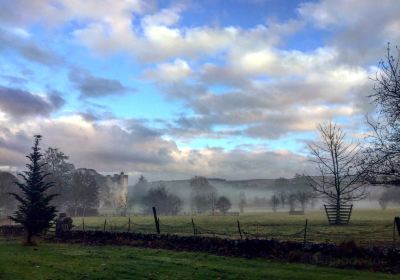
(338, 215)
(384, 235)
(365, 234)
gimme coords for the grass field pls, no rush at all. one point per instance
(62, 261)
(367, 227)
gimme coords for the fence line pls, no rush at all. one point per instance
(306, 232)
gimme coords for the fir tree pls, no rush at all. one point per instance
(34, 211)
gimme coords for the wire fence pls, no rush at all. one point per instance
(365, 234)
(384, 234)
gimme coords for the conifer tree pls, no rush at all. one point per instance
(34, 211)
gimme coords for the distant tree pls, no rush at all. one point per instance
(200, 203)
(165, 202)
(302, 191)
(138, 191)
(84, 192)
(7, 185)
(212, 198)
(383, 202)
(282, 196)
(274, 202)
(313, 200)
(223, 204)
(389, 196)
(292, 202)
(303, 197)
(35, 211)
(341, 178)
(174, 204)
(60, 173)
(203, 195)
(242, 202)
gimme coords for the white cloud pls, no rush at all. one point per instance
(159, 37)
(165, 17)
(178, 70)
(266, 88)
(108, 147)
(360, 29)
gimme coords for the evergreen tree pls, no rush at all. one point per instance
(34, 211)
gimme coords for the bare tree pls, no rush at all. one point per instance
(384, 149)
(340, 179)
(60, 173)
(203, 195)
(303, 197)
(283, 196)
(387, 87)
(292, 202)
(274, 202)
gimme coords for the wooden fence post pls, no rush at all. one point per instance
(83, 228)
(129, 224)
(105, 223)
(394, 232)
(305, 233)
(156, 220)
(194, 227)
(396, 224)
(239, 230)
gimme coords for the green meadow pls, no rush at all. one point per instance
(73, 262)
(366, 227)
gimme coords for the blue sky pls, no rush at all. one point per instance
(172, 89)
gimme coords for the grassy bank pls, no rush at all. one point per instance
(62, 261)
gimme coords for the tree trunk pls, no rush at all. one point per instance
(338, 221)
(28, 238)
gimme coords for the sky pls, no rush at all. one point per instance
(172, 89)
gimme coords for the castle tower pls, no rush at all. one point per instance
(123, 182)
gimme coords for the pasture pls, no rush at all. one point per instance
(66, 261)
(367, 226)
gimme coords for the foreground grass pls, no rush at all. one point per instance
(368, 227)
(64, 261)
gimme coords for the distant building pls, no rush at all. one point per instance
(118, 188)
